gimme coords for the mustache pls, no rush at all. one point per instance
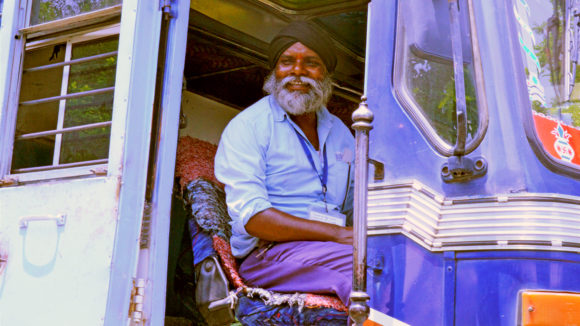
(296, 79)
(296, 102)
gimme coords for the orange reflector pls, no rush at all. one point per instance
(550, 308)
(377, 318)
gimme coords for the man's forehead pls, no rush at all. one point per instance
(299, 48)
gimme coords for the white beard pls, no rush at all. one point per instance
(296, 102)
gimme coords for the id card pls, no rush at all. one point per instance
(317, 212)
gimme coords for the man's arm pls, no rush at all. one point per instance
(274, 225)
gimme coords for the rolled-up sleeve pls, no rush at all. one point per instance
(240, 166)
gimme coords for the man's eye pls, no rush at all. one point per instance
(313, 63)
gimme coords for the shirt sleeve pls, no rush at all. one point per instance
(240, 166)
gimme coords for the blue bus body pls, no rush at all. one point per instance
(475, 284)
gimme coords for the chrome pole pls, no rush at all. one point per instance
(362, 118)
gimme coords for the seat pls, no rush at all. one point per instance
(220, 292)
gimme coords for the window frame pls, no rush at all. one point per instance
(553, 164)
(83, 27)
(413, 109)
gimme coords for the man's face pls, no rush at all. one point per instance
(299, 61)
(299, 81)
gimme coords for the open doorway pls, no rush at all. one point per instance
(225, 67)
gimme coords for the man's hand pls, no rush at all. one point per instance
(345, 235)
(275, 225)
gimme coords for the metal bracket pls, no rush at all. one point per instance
(100, 171)
(461, 169)
(167, 9)
(379, 172)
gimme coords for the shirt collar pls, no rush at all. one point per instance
(277, 112)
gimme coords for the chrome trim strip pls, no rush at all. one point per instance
(512, 221)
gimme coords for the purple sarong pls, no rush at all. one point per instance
(301, 266)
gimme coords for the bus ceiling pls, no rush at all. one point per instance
(228, 42)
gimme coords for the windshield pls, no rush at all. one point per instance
(547, 33)
(424, 75)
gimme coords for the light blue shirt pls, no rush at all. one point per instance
(262, 164)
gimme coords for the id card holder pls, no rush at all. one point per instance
(317, 212)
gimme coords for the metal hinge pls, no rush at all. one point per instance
(137, 299)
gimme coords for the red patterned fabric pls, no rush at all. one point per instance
(194, 159)
(222, 247)
(326, 301)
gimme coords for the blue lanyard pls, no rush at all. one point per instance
(324, 177)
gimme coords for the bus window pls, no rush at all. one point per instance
(547, 32)
(44, 11)
(63, 116)
(53, 130)
(424, 76)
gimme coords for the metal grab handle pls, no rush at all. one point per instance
(60, 219)
(359, 309)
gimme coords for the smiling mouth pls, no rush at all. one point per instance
(297, 85)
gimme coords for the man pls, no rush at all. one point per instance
(285, 162)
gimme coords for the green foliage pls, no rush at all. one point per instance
(93, 143)
(49, 10)
(548, 49)
(574, 111)
(433, 87)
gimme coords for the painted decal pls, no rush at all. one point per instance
(562, 144)
(560, 140)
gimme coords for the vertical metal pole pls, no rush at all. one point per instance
(567, 45)
(460, 106)
(362, 118)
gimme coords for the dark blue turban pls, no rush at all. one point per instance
(308, 34)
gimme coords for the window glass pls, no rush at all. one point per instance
(546, 30)
(89, 144)
(66, 103)
(48, 10)
(1, 6)
(424, 77)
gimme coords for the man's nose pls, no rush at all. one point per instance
(298, 69)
